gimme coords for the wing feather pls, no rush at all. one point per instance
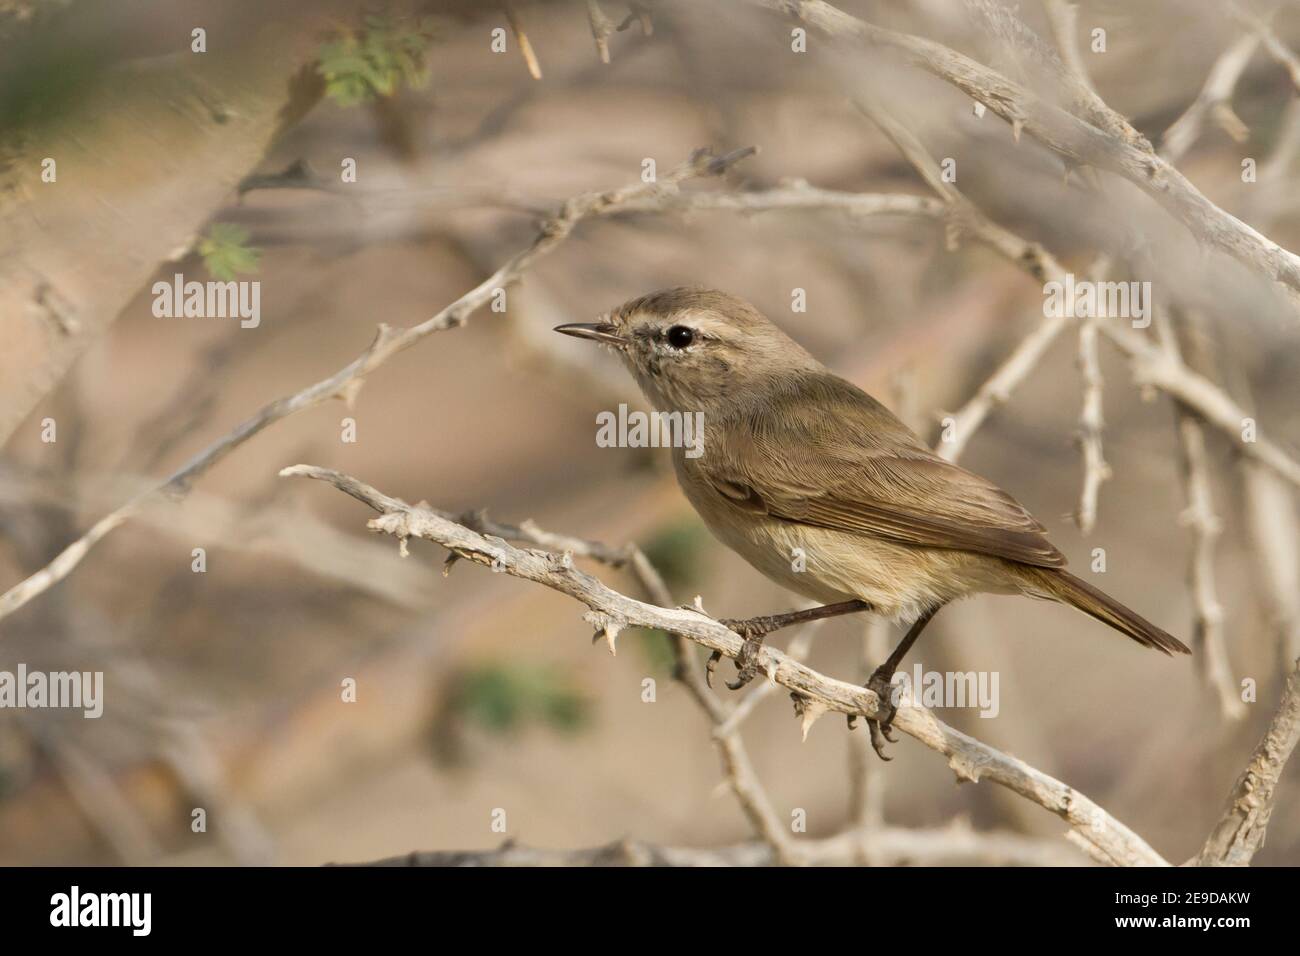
(859, 469)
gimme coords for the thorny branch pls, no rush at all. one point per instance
(1210, 645)
(525, 45)
(1091, 424)
(1105, 140)
(955, 845)
(1076, 140)
(1240, 833)
(601, 29)
(610, 612)
(389, 341)
(724, 717)
(1213, 102)
(1063, 17)
(1213, 658)
(1234, 841)
(1282, 54)
(1152, 366)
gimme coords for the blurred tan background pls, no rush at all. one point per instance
(479, 691)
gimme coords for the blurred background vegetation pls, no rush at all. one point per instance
(477, 691)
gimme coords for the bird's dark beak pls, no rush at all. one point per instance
(596, 331)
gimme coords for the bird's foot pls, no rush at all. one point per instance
(880, 684)
(753, 630)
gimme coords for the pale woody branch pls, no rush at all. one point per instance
(601, 28)
(1212, 656)
(967, 219)
(610, 612)
(1215, 98)
(1268, 504)
(525, 45)
(955, 845)
(1062, 74)
(1091, 424)
(1154, 367)
(1214, 101)
(347, 381)
(1062, 16)
(799, 195)
(638, 11)
(1279, 51)
(1074, 139)
(1212, 652)
(1151, 364)
(1210, 644)
(1240, 834)
(725, 718)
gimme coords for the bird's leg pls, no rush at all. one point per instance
(754, 629)
(881, 684)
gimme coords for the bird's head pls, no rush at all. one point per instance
(694, 349)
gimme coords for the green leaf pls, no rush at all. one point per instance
(503, 697)
(226, 252)
(376, 60)
(675, 551)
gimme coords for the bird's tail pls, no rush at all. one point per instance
(1065, 587)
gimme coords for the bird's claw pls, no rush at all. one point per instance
(878, 738)
(753, 631)
(709, 666)
(881, 684)
(746, 663)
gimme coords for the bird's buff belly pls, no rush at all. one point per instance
(898, 581)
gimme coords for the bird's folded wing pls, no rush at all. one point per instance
(835, 462)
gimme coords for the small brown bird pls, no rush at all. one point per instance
(821, 488)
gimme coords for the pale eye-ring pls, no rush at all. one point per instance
(680, 336)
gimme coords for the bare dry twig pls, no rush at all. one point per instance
(1282, 54)
(966, 218)
(1240, 833)
(1076, 140)
(1213, 102)
(525, 45)
(955, 845)
(1062, 74)
(797, 195)
(1063, 18)
(1151, 365)
(601, 29)
(638, 13)
(1091, 424)
(725, 718)
(1200, 517)
(1213, 657)
(347, 381)
(610, 612)
(1268, 504)
(1269, 508)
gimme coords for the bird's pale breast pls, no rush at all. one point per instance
(899, 581)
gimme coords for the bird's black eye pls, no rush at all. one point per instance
(680, 337)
